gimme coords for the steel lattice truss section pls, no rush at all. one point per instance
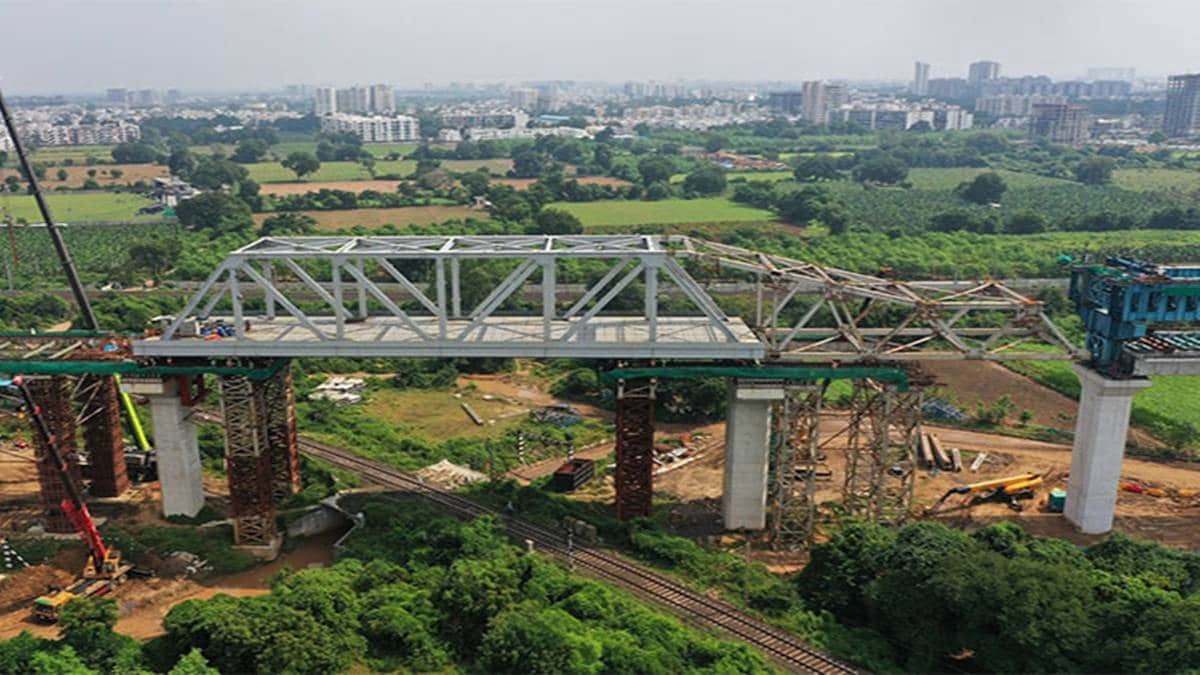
(359, 318)
(281, 434)
(795, 457)
(248, 461)
(811, 312)
(53, 395)
(881, 439)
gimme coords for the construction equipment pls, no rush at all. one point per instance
(104, 569)
(1010, 490)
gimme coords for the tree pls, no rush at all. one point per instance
(555, 221)
(1155, 137)
(985, 188)
(1095, 170)
(216, 212)
(116, 173)
(476, 182)
(301, 163)
(250, 150)
(154, 256)
(548, 641)
(715, 142)
(181, 162)
(193, 663)
(528, 162)
(288, 223)
(655, 169)
(658, 190)
(87, 625)
(12, 183)
(883, 170)
(213, 174)
(705, 180)
(62, 175)
(816, 168)
(802, 206)
(1025, 222)
(134, 153)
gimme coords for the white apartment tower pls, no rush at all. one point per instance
(326, 101)
(920, 83)
(820, 100)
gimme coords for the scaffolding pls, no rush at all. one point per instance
(635, 448)
(795, 457)
(248, 461)
(880, 437)
(99, 418)
(281, 434)
(53, 395)
(882, 434)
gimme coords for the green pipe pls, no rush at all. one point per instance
(893, 375)
(135, 422)
(133, 369)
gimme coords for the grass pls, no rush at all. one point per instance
(214, 544)
(374, 218)
(78, 153)
(79, 207)
(667, 211)
(948, 179)
(76, 175)
(1170, 399)
(1151, 180)
(435, 414)
(273, 172)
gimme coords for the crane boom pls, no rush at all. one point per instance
(64, 256)
(72, 505)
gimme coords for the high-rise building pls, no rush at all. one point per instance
(524, 98)
(1182, 116)
(1065, 123)
(982, 71)
(821, 100)
(949, 87)
(374, 128)
(786, 102)
(920, 83)
(1118, 74)
(117, 96)
(383, 99)
(327, 101)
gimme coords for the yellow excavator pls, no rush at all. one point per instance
(1011, 490)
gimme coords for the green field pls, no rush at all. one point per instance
(273, 172)
(77, 153)
(948, 179)
(772, 176)
(1157, 179)
(1171, 399)
(616, 212)
(77, 207)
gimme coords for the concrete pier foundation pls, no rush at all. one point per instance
(1100, 432)
(175, 445)
(747, 445)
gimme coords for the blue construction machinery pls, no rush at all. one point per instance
(1130, 307)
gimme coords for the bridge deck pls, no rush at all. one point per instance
(612, 337)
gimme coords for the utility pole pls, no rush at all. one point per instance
(85, 307)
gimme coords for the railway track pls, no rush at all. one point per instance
(691, 606)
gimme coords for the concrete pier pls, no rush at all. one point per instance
(175, 446)
(1101, 429)
(747, 445)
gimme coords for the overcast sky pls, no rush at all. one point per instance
(57, 46)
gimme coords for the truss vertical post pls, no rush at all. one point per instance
(635, 449)
(53, 394)
(652, 299)
(549, 296)
(102, 435)
(268, 273)
(248, 461)
(281, 435)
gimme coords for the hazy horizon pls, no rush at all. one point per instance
(222, 45)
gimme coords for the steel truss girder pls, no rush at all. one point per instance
(426, 318)
(847, 316)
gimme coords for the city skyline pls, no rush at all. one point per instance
(536, 40)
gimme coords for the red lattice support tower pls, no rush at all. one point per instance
(248, 461)
(635, 449)
(102, 435)
(281, 435)
(53, 396)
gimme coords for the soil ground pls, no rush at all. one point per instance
(354, 186)
(400, 217)
(77, 175)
